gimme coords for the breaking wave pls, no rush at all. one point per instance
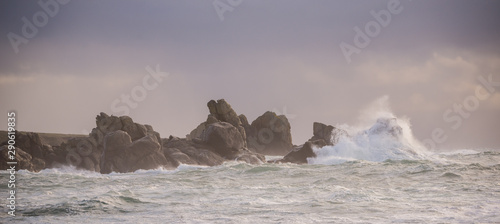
(378, 136)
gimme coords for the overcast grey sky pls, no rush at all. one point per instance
(264, 55)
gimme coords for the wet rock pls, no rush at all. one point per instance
(270, 134)
(300, 154)
(223, 137)
(121, 154)
(328, 133)
(24, 160)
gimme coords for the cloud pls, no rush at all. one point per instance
(264, 55)
(13, 79)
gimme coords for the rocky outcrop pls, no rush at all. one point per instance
(328, 133)
(118, 144)
(33, 154)
(270, 134)
(220, 111)
(124, 146)
(323, 135)
(300, 154)
(223, 137)
(183, 151)
(121, 154)
(24, 160)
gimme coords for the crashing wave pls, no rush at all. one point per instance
(387, 138)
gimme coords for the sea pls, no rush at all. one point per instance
(376, 174)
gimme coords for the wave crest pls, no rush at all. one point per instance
(388, 137)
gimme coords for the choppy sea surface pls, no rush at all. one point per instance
(453, 187)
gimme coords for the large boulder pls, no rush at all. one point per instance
(40, 155)
(183, 151)
(136, 131)
(323, 135)
(270, 134)
(299, 155)
(223, 137)
(121, 154)
(24, 160)
(106, 123)
(31, 143)
(328, 133)
(220, 111)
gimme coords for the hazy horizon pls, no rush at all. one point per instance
(283, 56)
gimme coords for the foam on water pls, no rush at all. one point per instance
(378, 136)
(393, 191)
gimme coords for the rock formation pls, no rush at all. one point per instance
(300, 154)
(183, 151)
(327, 133)
(220, 111)
(323, 135)
(118, 144)
(270, 134)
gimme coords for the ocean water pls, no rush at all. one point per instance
(459, 187)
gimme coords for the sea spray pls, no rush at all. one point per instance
(379, 135)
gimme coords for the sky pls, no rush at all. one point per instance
(436, 63)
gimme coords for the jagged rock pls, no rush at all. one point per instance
(96, 135)
(116, 141)
(31, 143)
(38, 164)
(270, 134)
(106, 123)
(122, 155)
(183, 151)
(328, 133)
(322, 135)
(211, 119)
(24, 160)
(223, 137)
(196, 133)
(150, 130)
(136, 131)
(88, 164)
(300, 155)
(220, 111)
(244, 120)
(83, 153)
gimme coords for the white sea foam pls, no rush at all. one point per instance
(379, 135)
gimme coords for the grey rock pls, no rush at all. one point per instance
(223, 137)
(270, 134)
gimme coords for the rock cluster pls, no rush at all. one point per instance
(31, 153)
(118, 144)
(269, 134)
